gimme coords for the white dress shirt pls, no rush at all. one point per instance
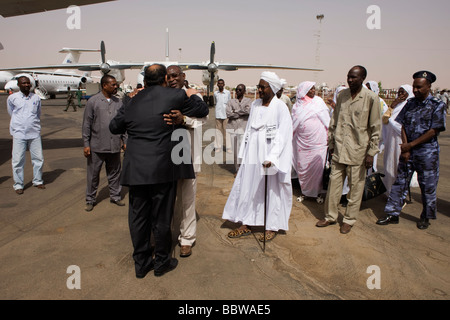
(25, 112)
(222, 99)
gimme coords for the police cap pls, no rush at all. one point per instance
(425, 74)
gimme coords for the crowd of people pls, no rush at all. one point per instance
(273, 141)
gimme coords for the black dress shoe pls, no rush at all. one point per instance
(423, 224)
(141, 275)
(171, 266)
(389, 219)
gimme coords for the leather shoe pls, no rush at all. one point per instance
(40, 186)
(89, 206)
(19, 191)
(119, 203)
(389, 219)
(171, 266)
(423, 224)
(345, 228)
(141, 275)
(324, 223)
(185, 251)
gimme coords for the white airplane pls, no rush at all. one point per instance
(210, 68)
(48, 84)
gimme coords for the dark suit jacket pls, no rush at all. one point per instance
(149, 147)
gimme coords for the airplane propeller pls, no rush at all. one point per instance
(105, 68)
(212, 67)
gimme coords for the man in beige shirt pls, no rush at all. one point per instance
(353, 138)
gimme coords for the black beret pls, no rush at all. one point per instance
(425, 74)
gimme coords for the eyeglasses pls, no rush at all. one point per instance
(262, 87)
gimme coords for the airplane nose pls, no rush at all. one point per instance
(12, 85)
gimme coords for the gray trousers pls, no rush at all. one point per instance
(113, 166)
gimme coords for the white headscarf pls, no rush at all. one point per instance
(338, 90)
(273, 80)
(374, 87)
(303, 89)
(409, 90)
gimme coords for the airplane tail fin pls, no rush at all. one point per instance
(73, 54)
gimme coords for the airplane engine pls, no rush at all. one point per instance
(118, 74)
(83, 80)
(206, 78)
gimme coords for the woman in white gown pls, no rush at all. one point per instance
(266, 148)
(392, 138)
(311, 119)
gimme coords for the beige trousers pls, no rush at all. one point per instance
(356, 180)
(185, 219)
(221, 127)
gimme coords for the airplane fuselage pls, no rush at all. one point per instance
(53, 84)
(5, 77)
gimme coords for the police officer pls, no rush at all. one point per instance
(422, 119)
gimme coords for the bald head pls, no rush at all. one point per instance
(155, 75)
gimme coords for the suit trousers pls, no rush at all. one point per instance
(150, 212)
(356, 180)
(94, 166)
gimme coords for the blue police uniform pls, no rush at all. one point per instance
(418, 117)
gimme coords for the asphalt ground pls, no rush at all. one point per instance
(51, 249)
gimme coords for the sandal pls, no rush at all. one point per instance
(269, 236)
(237, 233)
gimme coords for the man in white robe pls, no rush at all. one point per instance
(267, 147)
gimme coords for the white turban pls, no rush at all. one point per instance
(283, 83)
(273, 80)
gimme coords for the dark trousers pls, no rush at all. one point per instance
(151, 211)
(113, 166)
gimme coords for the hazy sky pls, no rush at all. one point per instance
(413, 37)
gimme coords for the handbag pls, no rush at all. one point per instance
(326, 172)
(374, 186)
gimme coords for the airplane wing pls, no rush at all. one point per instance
(237, 66)
(12, 8)
(79, 66)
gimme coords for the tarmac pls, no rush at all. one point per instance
(46, 234)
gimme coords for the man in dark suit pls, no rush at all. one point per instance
(148, 169)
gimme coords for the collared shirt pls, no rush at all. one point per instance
(98, 114)
(222, 99)
(419, 117)
(25, 112)
(237, 114)
(355, 127)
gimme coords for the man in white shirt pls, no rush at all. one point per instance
(222, 96)
(24, 107)
(184, 219)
